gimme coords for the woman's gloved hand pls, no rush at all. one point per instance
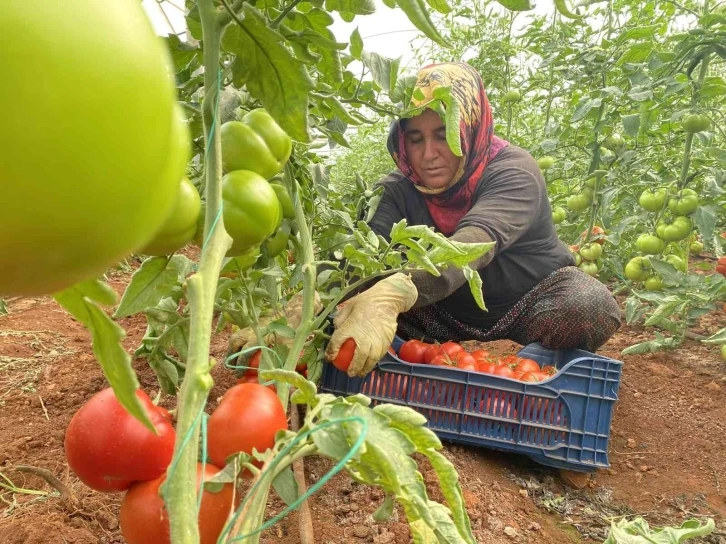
(370, 318)
(245, 338)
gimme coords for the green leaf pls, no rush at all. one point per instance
(356, 7)
(475, 286)
(286, 486)
(385, 510)
(149, 284)
(717, 338)
(451, 489)
(271, 74)
(416, 12)
(639, 33)
(106, 336)
(631, 124)
(441, 6)
(306, 390)
(583, 108)
(517, 5)
(356, 44)
(716, 153)
(463, 254)
(3, 307)
(667, 271)
(633, 310)
(650, 346)
(705, 220)
(561, 6)
(636, 53)
(446, 529)
(383, 70)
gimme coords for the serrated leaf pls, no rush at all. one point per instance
(106, 337)
(517, 5)
(717, 338)
(463, 253)
(631, 124)
(286, 486)
(449, 480)
(356, 44)
(383, 70)
(306, 390)
(661, 312)
(270, 73)
(353, 7)
(582, 109)
(666, 271)
(475, 286)
(633, 310)
(716, 153)
(650, 346)
(149, 284)
(705, 220)
(439, 5)
(416, 12)
(635, 54)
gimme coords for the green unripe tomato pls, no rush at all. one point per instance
(637, 268)
(676, 262)
(180, 226)
(653, 283)
(652, 201)
(588, 193)
(591, 251)
(89, 166)
(578, 259)
(650, 244)
(696, 248)
(684, 202)
(578, 203)
(278, 242)
(288, 209)
(559, 214)
(546, 162)
(256, 143)
(589, 268)
(512, 96)
(251, 209)
(696, 123)
(613, 142)
(675, 231)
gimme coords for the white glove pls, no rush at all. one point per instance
(370, 318)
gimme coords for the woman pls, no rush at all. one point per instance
(493, 193)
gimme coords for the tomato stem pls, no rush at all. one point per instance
(180, 489)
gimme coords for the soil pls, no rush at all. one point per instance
(667, 447)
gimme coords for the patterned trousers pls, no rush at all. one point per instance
(568, 309)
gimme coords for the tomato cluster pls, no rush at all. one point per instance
(454, 355)
(110, 451)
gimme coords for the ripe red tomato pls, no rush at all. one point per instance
(471, 367)
(164, 412)
(463, 359)
(527, 365)
(248, 416)
(450, 348)
(529, 377)
(413, 351)
(345, 355)
(549, 370)
(480, 354)
(430, 353)
(504, 371)
(441, 360)
(510, 360)
(144, 520)
(253, 363)
(108, 449)
(486, 367)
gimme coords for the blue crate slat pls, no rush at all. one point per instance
(562, 422)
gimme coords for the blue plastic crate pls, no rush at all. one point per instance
(562, 422)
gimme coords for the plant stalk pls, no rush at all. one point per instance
(180, 489)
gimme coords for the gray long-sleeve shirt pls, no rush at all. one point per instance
(510, 208)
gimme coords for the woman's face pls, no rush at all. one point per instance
(428, 153)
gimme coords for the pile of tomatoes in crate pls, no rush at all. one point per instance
(454, 355)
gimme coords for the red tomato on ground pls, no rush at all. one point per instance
(248, 416)
(413, 351)
(108, 449)
(144, 520)
(345, 355)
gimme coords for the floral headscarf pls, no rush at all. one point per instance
(449, 204)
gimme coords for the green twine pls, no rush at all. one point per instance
(332, 472)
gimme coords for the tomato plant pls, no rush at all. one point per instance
(108, 449)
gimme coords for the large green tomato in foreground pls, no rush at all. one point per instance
(92, 146)
(181, 224)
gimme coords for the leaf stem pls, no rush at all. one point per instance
(276, 22)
